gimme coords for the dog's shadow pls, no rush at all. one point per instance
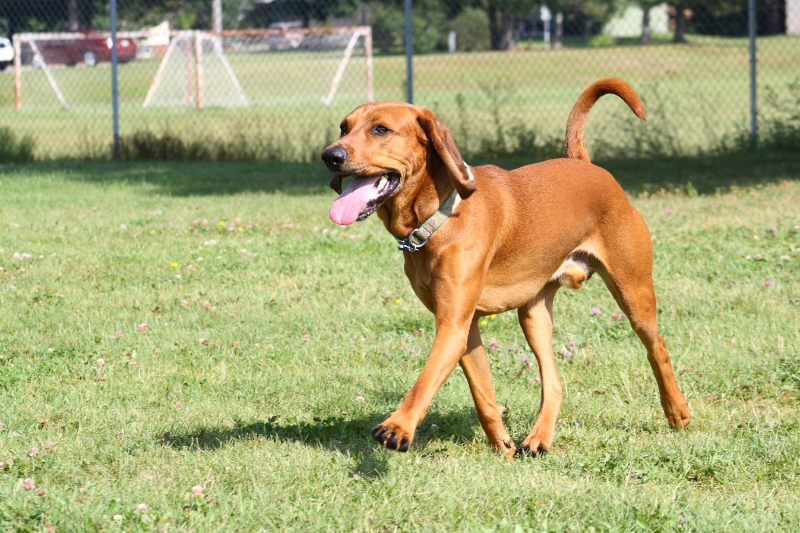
(344, 433)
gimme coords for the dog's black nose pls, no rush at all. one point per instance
(334, 157)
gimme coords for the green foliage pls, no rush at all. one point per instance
(472, 30)
(14, 150)
(429, 30)
(185, 19)
(781, 130)
(657, 137)
(388, 28)
(600, 40)
(511, 137)
(252, 143)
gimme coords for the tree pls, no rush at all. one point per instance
(646, 6)
(706, 13)
(585, 16)
(503, 17)
(72, 15)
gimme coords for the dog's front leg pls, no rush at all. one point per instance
(476, 370)
(454, 308)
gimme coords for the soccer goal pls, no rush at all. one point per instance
(45, 50)
(239, 68)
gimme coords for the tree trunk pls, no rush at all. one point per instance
(507, 41)
(73, 17)
(558, 38)
(776, 14)
(645, 38)
(494, 30)
(680, 24)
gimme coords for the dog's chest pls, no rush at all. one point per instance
(418, 273)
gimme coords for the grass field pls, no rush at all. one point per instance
(695, 93)
(263, 365)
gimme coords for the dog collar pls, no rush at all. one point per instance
(419, 236)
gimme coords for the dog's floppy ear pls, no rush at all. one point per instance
(445, 147)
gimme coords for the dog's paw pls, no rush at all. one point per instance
(392, 436)
(508, 449)
(526, 451)
(679, 418)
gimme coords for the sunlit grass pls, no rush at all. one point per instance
(275, 340)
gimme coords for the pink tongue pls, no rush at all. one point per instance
(353, 200)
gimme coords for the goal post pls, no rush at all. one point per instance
(195, 69)
(44, 49)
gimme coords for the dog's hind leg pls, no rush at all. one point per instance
(536, 319)
(476, 369)
(627, 272)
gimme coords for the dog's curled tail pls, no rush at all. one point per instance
(573, 141)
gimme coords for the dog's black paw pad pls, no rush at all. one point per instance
(403, 445)
(526, 451)
(379, 433)
(391, 441)
(541, 450)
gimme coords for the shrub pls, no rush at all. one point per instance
(600, 40)
(472, 30)
(13, 150)
(388, 29)
(782, 130)
(388, 25)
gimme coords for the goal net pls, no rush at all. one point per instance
(274, 67)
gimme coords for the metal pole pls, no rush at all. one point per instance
(409, 55)
(751, 15)
(114, 86)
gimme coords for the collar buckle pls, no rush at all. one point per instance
(407, 245)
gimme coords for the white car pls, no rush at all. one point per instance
(6, 53)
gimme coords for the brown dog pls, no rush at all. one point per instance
(516, 238)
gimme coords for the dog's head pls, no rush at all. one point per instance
(389, 149)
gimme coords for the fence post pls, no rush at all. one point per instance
(17, 73)
(409, 56)
(114, 86)
(751, 16)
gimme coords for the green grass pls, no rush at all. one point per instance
(701, 86)
(257, 397)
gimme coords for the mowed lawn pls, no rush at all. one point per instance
(144, 353)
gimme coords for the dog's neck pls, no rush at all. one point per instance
(405, 213)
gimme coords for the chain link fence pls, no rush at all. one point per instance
(271, 79)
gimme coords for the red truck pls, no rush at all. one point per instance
(87, 50)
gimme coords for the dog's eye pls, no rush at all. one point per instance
(380, 130)
(342, 129)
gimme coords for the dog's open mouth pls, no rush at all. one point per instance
(363, 196)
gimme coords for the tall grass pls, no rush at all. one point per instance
(13, 149)
(509, 135)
